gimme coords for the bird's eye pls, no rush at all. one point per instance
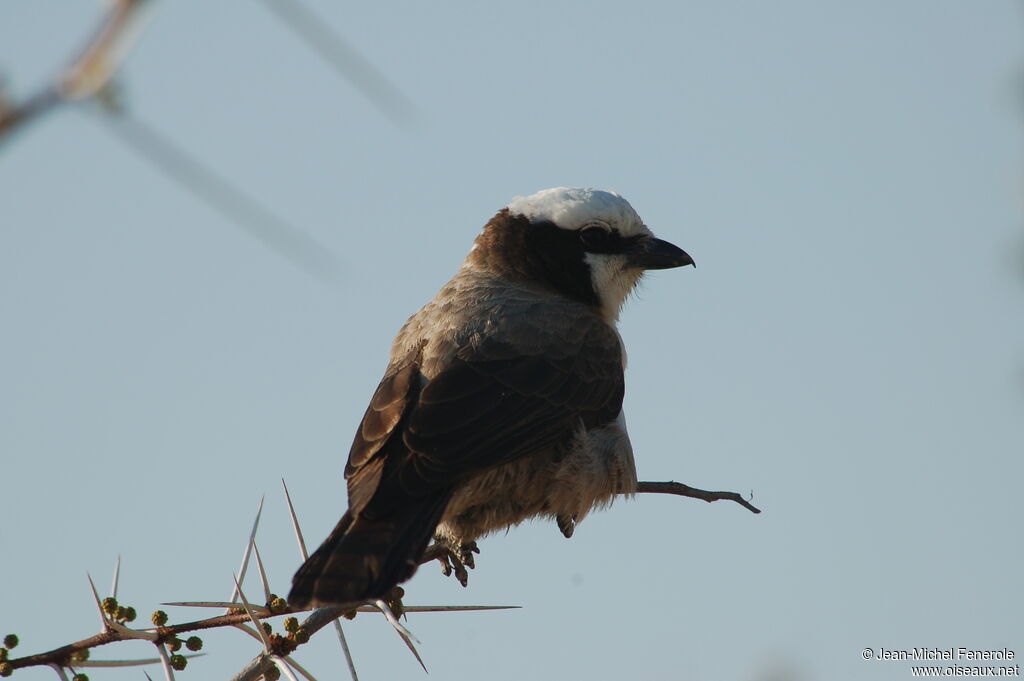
(595, 237)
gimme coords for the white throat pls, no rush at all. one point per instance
(611, 282)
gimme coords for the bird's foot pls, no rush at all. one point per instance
(394, 600)
(454, 559)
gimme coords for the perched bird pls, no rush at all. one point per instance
(503, 397)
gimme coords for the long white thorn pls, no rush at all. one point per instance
(252, 615)
(283, 666)
(249, 630)
(126, 663)
(127, 632)
(99, 606)
(263, 573)
(117, 574)
(406, 635)
(60, 671)
(165, 662)
(295, 523)
(262, 611)
(299, 669)
(248, 552)
(344, 648)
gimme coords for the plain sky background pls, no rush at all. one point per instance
(847, 176)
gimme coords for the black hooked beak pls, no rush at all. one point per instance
(656, 254)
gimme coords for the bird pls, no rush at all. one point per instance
(502, 400)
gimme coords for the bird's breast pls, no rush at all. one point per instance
(564, 482)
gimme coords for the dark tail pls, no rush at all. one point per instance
(362, 559)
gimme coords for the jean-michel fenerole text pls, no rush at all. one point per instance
(944, 654)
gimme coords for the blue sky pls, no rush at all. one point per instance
(846, 175)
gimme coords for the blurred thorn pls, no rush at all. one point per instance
(110, 98)
(6, 103)
(98, 62)
(239, 208)
(12, 116)
(345, 60)
(88, 74)
(117, 575)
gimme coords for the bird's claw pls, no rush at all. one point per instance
(455, 560)
(466, 552)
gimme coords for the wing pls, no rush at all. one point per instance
(500, 398)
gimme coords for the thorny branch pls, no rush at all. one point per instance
(281, 647)
(62, 656)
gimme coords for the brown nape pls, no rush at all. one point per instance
(540, 253)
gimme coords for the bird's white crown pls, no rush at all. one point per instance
(573, 208)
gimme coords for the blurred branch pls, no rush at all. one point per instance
(344, 59)
(218, 193)
(88, 74)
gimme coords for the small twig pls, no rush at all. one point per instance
(88, 74)
(682, 490)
